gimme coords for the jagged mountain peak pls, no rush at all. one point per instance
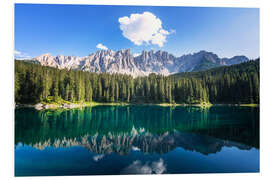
(42, 56)
(202, 53)
(235, 59)
(124, 62)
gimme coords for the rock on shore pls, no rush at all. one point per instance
(41, 106)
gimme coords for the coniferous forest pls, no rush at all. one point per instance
(229, 84)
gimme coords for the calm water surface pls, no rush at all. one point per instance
(136, 140)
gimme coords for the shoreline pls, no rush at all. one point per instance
(48, 106)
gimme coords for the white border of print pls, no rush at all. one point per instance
(7, 93)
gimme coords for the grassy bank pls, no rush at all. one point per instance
(249, 105)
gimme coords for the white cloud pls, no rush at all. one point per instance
(101, 46)
(136, 54)
(17, 52)
(146, 27)
(21, 55)
(98, 157)
(137, 167)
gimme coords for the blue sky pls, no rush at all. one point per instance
(78, 29)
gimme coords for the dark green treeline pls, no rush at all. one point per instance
(235, 84)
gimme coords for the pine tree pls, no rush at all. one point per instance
(232, 84)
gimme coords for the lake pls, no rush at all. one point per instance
(106, 140)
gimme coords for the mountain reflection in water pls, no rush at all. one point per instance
(149, 129)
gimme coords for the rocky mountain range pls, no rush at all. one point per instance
(124, 62)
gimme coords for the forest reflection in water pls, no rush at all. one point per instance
(151, 129)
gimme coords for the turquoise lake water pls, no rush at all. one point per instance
(116, 140)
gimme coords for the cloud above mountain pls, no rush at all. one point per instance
(143, 28)
(101, 46)
(17, 52)
(21, 55)
(136, 54)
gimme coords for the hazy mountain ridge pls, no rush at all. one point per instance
(124, 62)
